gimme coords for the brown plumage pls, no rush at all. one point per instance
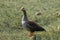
(29, 25)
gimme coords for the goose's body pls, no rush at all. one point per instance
(29, 25)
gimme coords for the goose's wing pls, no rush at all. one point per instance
(34, 27)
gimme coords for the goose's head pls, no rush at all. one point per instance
(22, 9)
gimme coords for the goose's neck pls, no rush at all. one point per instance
(24, 18)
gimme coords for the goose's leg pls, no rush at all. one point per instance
(31, 34)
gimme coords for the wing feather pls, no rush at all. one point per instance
(34, 27)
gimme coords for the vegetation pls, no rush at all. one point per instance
(10, 19)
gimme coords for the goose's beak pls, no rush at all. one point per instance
(22, 8)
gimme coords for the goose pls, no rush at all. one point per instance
(30, 25)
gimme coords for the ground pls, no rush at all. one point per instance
(10, 19)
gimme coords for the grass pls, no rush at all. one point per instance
(10, 19)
